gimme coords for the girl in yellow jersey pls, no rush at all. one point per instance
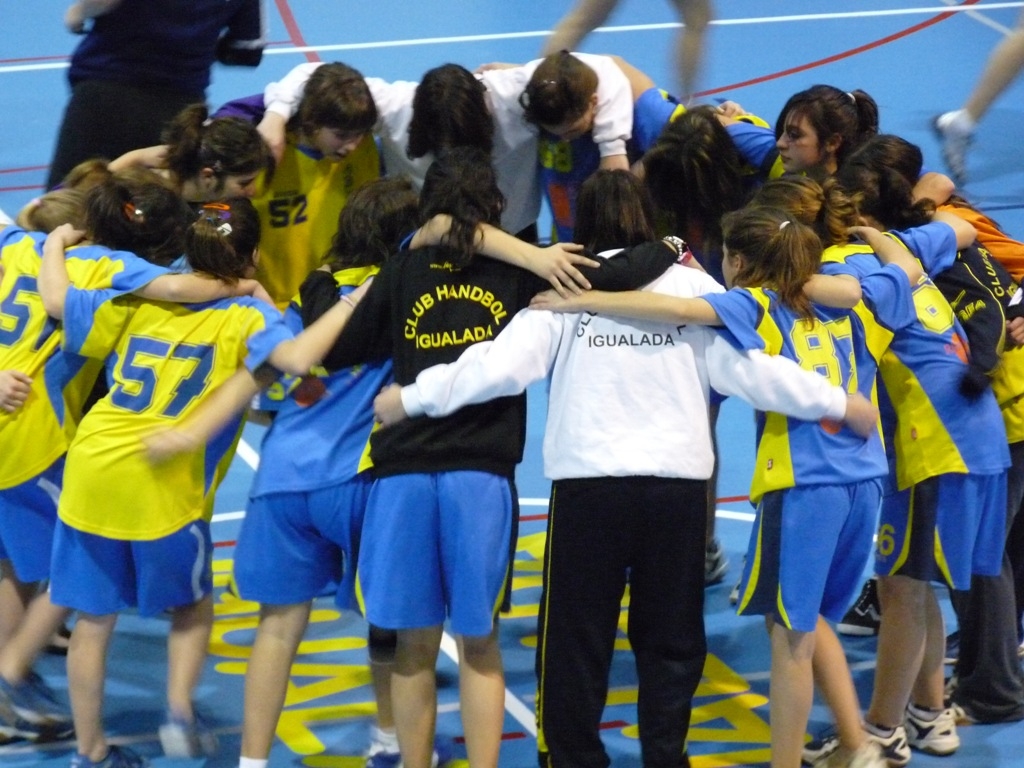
(49, 388)
(329, 153)
(148, 543)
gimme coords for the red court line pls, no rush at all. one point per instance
(224, 544)
(293, 29)
(21, 189)
(25, 169)
(840, 56)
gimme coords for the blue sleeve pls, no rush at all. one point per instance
(80, 309)
(651, 113)
(934, 244)
(262, 343)
(12, 234)
(889, 295)
(755, 143)
(740, 314)
(134, 273)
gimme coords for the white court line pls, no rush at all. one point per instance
(982, 19)
(973, 10)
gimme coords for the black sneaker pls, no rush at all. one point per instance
(715, 563)
(865, 616)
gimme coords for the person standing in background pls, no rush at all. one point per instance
(584, 17)
(144, 62)
(956, 129)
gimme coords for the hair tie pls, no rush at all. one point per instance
(131, 212)
(852, 97)
(217, 215)
(36, 202)
(207, 121)
(782, 226)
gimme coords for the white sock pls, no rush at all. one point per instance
(251, 762)
(385, 739)
(957, 121)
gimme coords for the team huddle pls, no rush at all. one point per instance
(355, 261)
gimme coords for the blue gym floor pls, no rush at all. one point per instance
(916, 61)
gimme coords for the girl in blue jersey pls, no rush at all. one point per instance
(955, 481)
(305, 511)
(807, 475)
(920, 396)
(121, 216)
(149, 545)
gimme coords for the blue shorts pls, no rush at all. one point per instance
(945, 528)
(292, 546)
(101, 576)
(28, 516)
(807, 552)
(433, 546)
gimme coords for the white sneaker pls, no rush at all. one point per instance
(892, 742)
(868, 756)
(954, 130)
(931, 732)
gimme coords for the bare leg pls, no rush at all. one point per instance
(266, 678)
(14, 599)
(928, 687)
(1004, 64)
(414, 694)
(87, 670)
(901, 647)
(580, 21)
(832, 676)
(187, 646)
(696, 15)
(37, 627)
(791, 692)
(482, 696)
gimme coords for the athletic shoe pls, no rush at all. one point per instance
(932, 732)
(117, 757)
(954, 131)
(952, 647)
(715, 563)
(29, 710)
(379, 756)
(383, 759)
(187, 738)
(960, 715)
(864, 618)
(892, 742)
(817, 751)
(734, 593)
(868, 755)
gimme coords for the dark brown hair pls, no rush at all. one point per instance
(779, 253)
(336, 96)
(613, 210)
(223, 239)
(559, 90)
(373, 223)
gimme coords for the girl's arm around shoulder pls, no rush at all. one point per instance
(774, 383)
(638, 305)
(518, 356)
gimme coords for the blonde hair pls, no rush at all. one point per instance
(46, 213)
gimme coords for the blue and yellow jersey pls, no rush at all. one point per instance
(565, 165)
(35, 435)
(321, 434)
(164, 359)
(299, 212)
(844, 347)
(930, 427)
